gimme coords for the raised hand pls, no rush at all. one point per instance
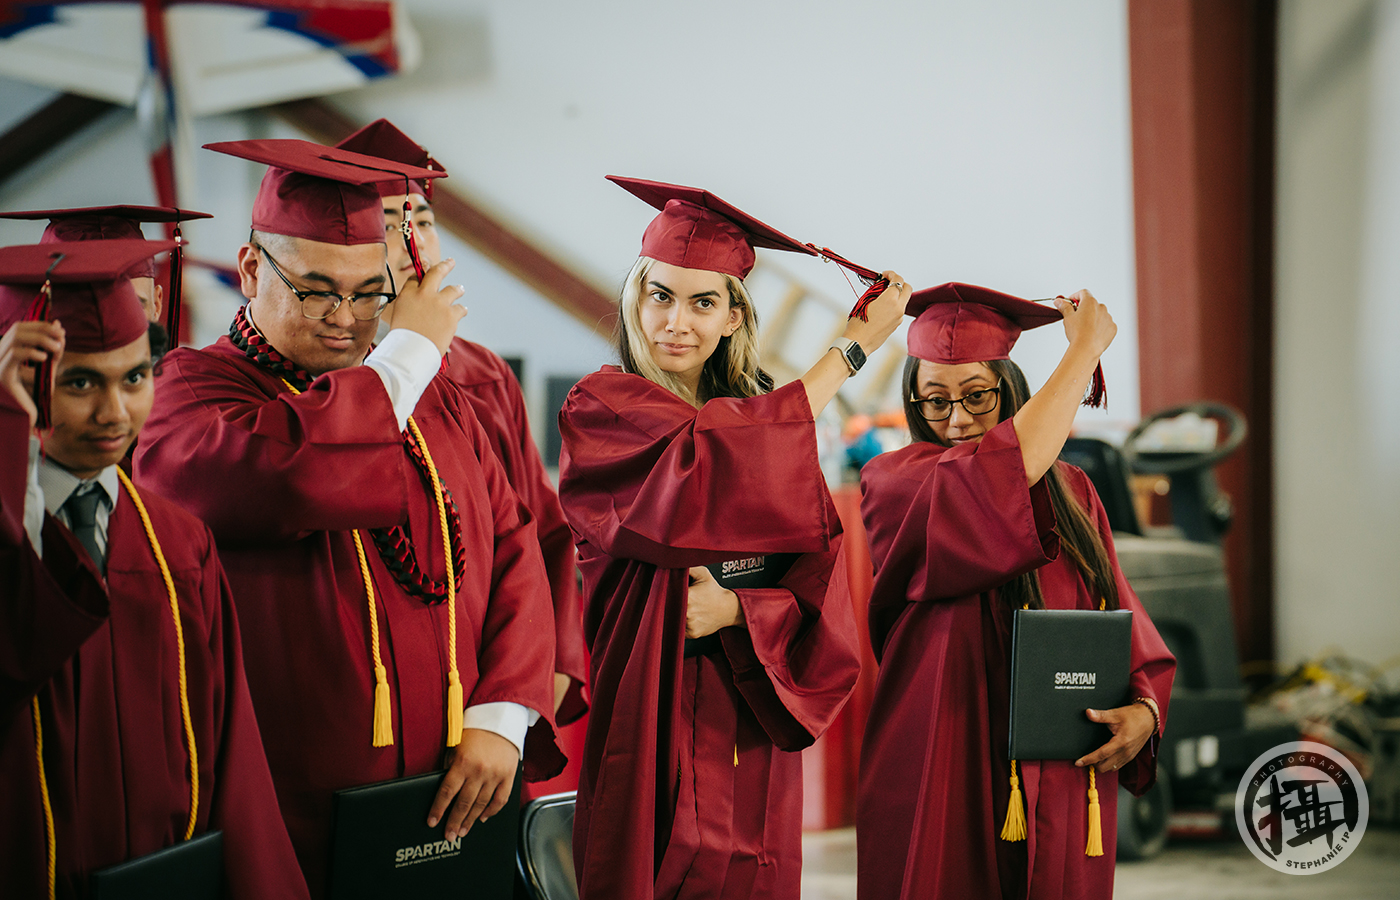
(1087, 322)
(22, 347)
(883, 314)
(428, 308)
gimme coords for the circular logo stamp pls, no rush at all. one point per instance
(1301, 808)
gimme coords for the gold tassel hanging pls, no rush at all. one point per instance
(1095, 845)
(1015, 827)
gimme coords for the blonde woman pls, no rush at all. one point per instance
(682, 458)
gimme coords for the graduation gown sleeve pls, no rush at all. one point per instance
(228, 451)
(49, 607)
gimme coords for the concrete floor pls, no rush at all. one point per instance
(1223, 870)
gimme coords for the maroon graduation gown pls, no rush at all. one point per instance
(652, 487)
(107, 677)
(947, 526)
(495, 397)
(281, 478)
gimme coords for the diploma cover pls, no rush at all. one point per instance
(190, 870)
(738, 574)
(1064, 661)
(382, 847)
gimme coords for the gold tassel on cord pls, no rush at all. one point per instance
(383, 724)
(1095, 845)
(1015, 827)
(454, 708)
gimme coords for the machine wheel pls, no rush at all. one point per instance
(1142, 821)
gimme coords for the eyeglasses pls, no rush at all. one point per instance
(323, 304)
(936, 409)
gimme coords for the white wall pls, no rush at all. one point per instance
(1337, 386)
(972, 142)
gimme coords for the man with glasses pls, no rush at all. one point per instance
(386, 574)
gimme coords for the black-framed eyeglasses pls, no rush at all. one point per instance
(979, 402)
(323, 304)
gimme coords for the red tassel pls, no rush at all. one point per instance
(43, 372)
(1097, 395)
(172, 313)
(410, 241)
(875, 290)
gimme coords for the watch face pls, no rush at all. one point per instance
(855, 355)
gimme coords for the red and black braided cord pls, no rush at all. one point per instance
(394, 544)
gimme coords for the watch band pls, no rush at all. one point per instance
(851, 352)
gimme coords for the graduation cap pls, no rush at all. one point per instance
(962, 323)
(697, 230)
(83, 285)
(380, 138)
(321, 193)
(123, 221)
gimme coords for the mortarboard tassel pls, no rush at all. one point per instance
(1015, 827)
(43, 372)
(410, 239)
(1097, 395)
(1095, 845)
(177, 281)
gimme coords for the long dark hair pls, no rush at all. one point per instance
(1079, 538)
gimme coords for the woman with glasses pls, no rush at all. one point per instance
(687, 457)
(973, 520)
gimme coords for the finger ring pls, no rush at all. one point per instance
(899, 284)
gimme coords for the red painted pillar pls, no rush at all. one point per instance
(1202, 81)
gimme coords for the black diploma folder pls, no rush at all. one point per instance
(1064, 661)
(190, 870)
(382, 847)
(738, 574)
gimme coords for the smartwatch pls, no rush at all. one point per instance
(850, 352)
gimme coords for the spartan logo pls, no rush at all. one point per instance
(1301, 808)
(421, 853)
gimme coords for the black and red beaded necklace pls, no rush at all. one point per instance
(394, 544)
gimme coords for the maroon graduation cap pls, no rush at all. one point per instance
(83, 285)
(123, 221)
(962, 323)
(380, 138)
(321, 193)
(697, 230)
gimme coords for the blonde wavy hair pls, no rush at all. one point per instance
(731, 371)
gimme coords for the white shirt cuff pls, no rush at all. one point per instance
(34, 501)
(509, 720)
(406, 362)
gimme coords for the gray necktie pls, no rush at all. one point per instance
(81, 509)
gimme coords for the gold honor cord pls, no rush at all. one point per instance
(383, 734)
(179, 644)
(44, 795)
(185, 717)
(454, 681)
